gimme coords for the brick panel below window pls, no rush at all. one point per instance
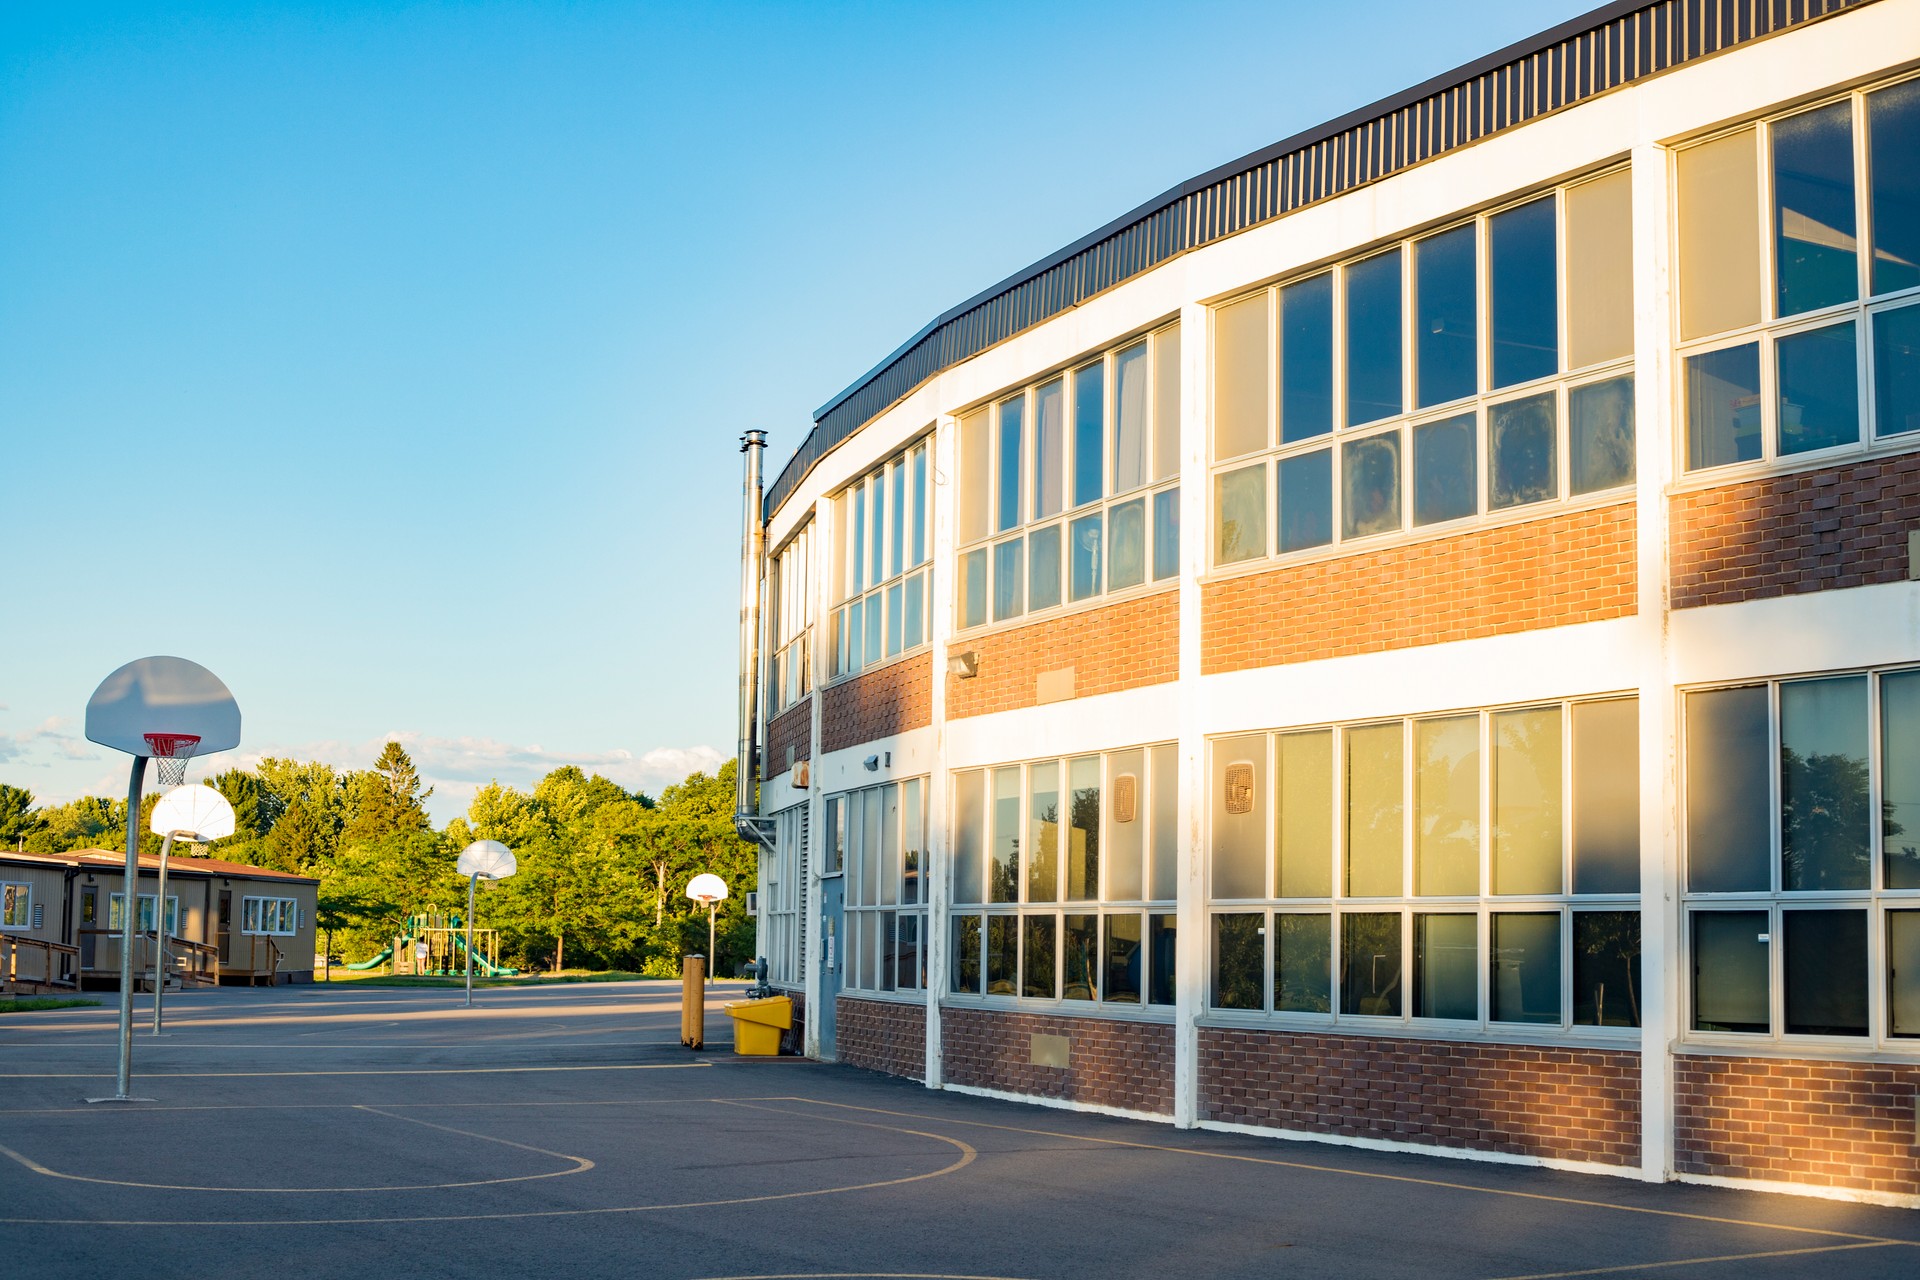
(1109, 1062)
(882, 1035)
(1576, 567)
(889, 700)
(1787, 535)
(1105, 650)
(792, 728)
(1552, 1103)
(1815, 1124)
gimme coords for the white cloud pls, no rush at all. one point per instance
(39, 747)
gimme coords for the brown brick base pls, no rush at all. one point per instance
(1815, 1124)
(1110, 1062)
(1563, 1104)
(882, 1035)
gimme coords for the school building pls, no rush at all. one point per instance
(1411, 638)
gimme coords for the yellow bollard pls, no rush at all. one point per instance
(693, 1002)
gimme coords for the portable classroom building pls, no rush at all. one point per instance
(60, 919)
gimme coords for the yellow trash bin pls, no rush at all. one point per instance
(757, 1025)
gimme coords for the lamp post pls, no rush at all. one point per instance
(708, 888)
(481, 860)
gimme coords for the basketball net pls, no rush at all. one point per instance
(170, 754)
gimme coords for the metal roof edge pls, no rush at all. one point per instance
(1253, 159)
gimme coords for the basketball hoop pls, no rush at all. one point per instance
(170, 753)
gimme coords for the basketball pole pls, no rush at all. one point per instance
(472, 881)
(160, 932)
(129, 913)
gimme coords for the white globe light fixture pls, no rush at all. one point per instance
(708, 888)
(482, 860)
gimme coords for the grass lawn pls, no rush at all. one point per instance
(33, 1004)
(531, 980)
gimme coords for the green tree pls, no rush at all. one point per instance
(17, 818)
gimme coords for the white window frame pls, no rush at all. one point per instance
(16, 905)
(1149, 491)
(858, 587)
(783, 898)
(1483, 905)
(1561, 384)
(790, 622)
(144, 923)
(874, 929)
(1146, 910)
(1772, 327)
(254, 912)
(1876, 900)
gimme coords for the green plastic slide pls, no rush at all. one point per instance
(374, 963)
(481, 965)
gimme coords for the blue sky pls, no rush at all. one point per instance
(388, 359)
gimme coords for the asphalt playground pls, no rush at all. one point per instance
(564, 1131)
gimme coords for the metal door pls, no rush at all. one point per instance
(832, 957)
(89, 921)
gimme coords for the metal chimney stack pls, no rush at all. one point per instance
(753, 550)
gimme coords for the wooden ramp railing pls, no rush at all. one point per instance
(189, 963)
(49, 966)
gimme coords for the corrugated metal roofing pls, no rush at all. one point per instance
(109, 860)
(1607, 49)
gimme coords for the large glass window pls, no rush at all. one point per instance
(1460, 376)
(783, 891)
(1801, 861)
(1069, 489)
(881, 578)
(1788, 315)
(790, 622)
(886, 896)
(1063, 878)
(1474, 859)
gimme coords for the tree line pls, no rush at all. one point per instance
(602, 870)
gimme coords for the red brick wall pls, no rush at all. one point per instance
(890, 700)
(1820, 1124)
(1567, 1104)
(1119, 646)
(882, 1035)
(1840, 527)
(1575, 567)
(1110, 1062)
(792, 728)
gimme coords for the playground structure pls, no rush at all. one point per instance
(445, 936)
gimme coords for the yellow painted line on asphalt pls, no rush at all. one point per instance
(1691, 1262)
(967, 1156)
(384, 1071)
(398, 1106)
(1365, 1173)
(580, 1165)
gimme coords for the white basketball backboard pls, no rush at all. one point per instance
(197, 814)
(162, 695)
(488, 859)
